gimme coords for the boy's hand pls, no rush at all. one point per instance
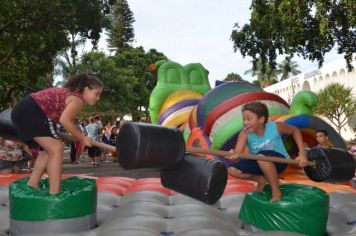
(303, 161)
(234, 157)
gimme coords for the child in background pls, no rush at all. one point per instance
(322, 138)
(263, 138)
(47, 108)
(93, 132)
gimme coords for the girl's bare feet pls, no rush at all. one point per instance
(33, 186)
(276, 196)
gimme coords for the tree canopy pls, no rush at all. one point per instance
(233, 77)
(121, 32)
(307, 28)
(127, 82)
(33, 32)
(335, 102)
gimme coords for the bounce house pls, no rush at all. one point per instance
(194, 196)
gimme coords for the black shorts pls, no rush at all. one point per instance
(93, 151)
(11, 164)
(252, 167)
(30, 121)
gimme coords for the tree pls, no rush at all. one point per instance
(308, 28)
(121, 33)
(127, 82)
(233, 77)
(33, 32)
(266, 76)
(336, 104)
(287, 67)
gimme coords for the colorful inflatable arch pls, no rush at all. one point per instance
(177, 91)
(218, 115)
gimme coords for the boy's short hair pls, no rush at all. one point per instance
(322, 131)
(259, 108)
(91, 119)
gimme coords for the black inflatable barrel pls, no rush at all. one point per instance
(149, 146)
(7, 128)
(332, 165)
(197, 177)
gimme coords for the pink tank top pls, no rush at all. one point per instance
(52, 101)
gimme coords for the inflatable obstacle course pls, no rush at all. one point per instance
(37, 211)
(302, 209)
(127, 206)
(153, 146)
(178, 90)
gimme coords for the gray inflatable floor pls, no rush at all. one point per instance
(153, 213)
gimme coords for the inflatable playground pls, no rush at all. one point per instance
(195, 195)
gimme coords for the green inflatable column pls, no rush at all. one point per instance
(36, 211)
(303, 209)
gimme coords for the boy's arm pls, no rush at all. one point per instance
(297, 136)
(239, 147)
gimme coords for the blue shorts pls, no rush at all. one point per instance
(252, 167)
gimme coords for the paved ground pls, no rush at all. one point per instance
(105, 169)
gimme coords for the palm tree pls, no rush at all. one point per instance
(287, 67)
(265, 77)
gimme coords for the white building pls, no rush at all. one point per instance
(317, 79)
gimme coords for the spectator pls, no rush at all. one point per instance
(11, 157)
(322, 138)
(93, 132)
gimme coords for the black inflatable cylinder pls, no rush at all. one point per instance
(332, 165)
(197, 177)
(7, 128)
(149, 146)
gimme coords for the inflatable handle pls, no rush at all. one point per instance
(94, 143)
(246, 156)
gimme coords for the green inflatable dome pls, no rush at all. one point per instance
(303, 209)
(36, 211)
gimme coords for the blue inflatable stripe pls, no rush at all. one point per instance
(300, 121)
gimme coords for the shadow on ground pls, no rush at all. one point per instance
(106, 169)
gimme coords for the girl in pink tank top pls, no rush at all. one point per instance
(36, 117)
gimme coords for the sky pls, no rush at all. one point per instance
(198, 31)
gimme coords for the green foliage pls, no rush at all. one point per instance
(287, 67)
(127, 83)
(33, 32)
(266, 75)
(305, 28)
(336, 104)
(233, 77)
(121, 32)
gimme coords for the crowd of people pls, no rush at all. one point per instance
(17, 157)
(94, 128)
